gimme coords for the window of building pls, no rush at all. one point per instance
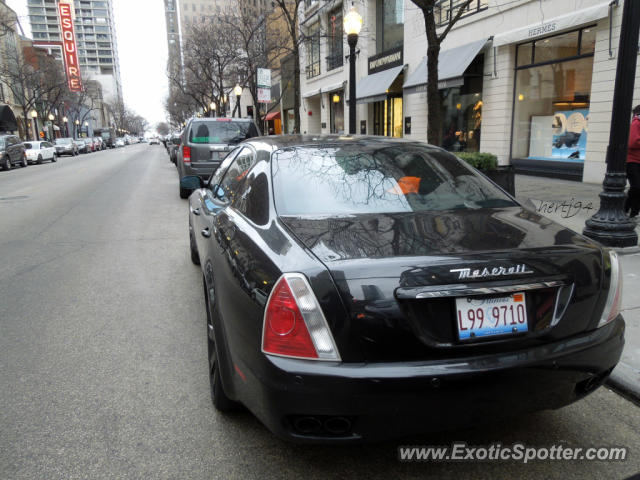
(462, 111)
(444, 10)
(335, 34)
(552, 97)
(313, 51)
(389, 24)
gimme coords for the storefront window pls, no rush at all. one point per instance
(389, 24)
(462, 111)
(552, 100)
(387, 117)
(336, 100)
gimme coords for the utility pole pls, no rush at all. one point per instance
(610, 226)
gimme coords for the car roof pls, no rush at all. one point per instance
(276, 142)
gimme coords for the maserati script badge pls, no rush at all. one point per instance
(519, 269)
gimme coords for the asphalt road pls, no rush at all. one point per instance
(103, 366)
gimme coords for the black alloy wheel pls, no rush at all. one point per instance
(6, 163)
(219, 398)
(24, 162)
(39, 160)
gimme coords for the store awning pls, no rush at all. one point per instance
(311, 93)
(373, 88)
(7, 119)
(557, 24)
(451, 66)
(333, 88)
(272, 116)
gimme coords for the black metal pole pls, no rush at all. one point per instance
(352, 39)
(239, 107)
(610, 226)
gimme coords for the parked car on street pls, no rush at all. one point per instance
(154, 141)
(205, 143)
(12, 152)
(173, 144)
(100, 145)
(37, 152)
(361, 288)
(81, 145)
(119, 142)
(66, 146)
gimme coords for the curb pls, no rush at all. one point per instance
(623, 379)
(627, 250)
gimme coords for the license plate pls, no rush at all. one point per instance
(486, 317)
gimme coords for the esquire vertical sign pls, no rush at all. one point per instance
(69, 47)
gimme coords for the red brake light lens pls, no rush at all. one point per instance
(186, 154)
(284, 331)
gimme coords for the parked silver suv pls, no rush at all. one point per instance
(206, 141)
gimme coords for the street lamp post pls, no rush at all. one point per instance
(77, 122)
(238, 91)
(352, 26)
(66, 126)
(610, 226)
(212, 109)
(34, 116)
(51, 119)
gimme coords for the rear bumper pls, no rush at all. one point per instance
(381, 401)
(203, 171)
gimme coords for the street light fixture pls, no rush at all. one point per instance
(66, 126)
(77, 122)
(212, 108)
(352, 26)
(238, 91)
(34, 116)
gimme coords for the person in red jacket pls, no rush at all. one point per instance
(632, 203)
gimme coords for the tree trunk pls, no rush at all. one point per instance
(296, 86)
(434, 100)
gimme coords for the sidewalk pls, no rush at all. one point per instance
(571, 204)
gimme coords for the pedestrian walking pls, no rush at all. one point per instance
(632, 203)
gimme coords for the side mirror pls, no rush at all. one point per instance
(217, 191)
(191, 182)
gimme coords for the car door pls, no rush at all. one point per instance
(50, 150)
(15, 152)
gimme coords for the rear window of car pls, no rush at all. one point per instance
(221, 132)
(63, 141)
(27, 146)
(356, 179)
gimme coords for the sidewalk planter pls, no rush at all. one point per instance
(487, 163)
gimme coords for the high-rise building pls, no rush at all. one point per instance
(95, 37)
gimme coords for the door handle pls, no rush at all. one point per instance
(206, 232)
(195, 211)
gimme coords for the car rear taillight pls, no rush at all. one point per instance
(612, 306)
(294, 325)
(186, 154)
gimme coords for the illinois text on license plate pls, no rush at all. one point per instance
(484, 317)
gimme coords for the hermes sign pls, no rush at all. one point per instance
(69, 47)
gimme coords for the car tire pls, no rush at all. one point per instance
(25, 162)
(219, 398)
(184, 193)
(54, 158)
(39, 161)
(6, 163)
(193, 248)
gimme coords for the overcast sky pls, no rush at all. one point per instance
(142, 49)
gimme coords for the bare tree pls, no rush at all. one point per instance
(434, 40)
(34, 78)
(289, 11)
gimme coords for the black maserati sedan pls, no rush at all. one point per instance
(364, 288)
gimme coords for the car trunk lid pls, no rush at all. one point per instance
(388, 266)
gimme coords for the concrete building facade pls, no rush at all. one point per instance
(530, 81)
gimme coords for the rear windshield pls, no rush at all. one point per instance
(221, 132)
(353, 179)
(63, 141)
(27, 146)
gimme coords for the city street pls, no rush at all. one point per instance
(103, 363)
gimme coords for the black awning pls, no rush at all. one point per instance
(7, 119)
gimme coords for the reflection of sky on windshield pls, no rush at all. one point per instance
(364, 190)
